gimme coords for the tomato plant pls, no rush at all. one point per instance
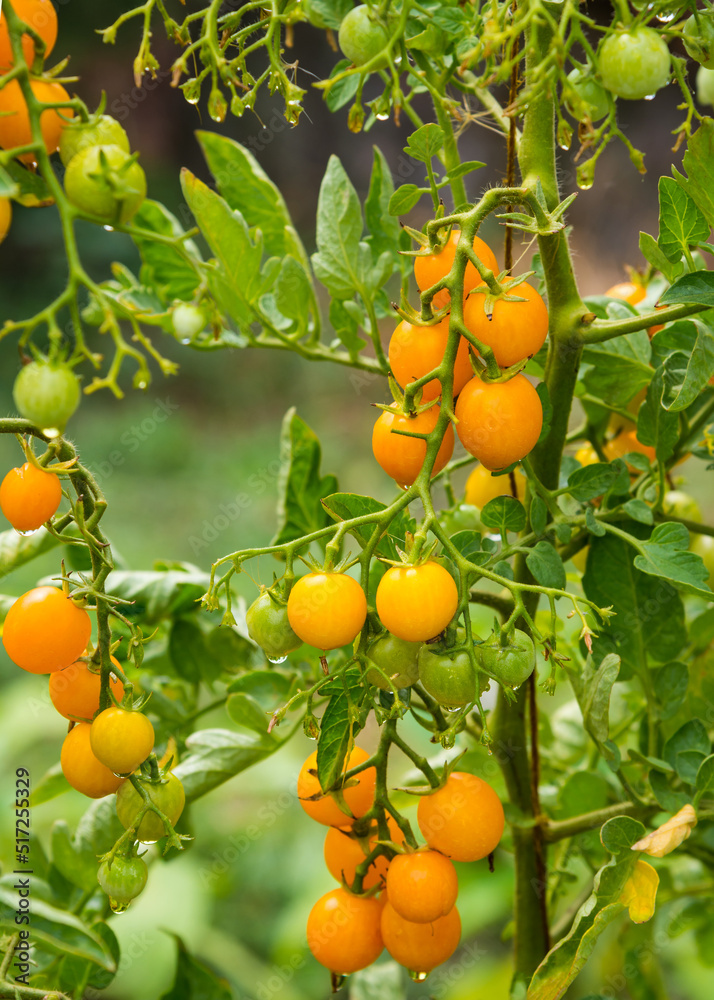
(268, 626)
(420, 947)
(326, 808)
(326, 610)
(510, 664)
(414, 351)
(429, 268)
(516, 326)
(362, 38)
(396, 662)
(75, 690)
(103, 130)
(449, 677)
(15, 128)
(41, 16)
(634, 64)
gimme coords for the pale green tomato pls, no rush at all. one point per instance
(397, 658)
(634, 64)
(593, 100)
(680, 504)
(705, 85)
(698, 38)
(362, 37)
(703, 545)
(101, 131)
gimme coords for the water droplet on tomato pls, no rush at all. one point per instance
(118, 907)
(649, 97)
(277, 659)
(418, 977)
(109, 229)
(51, 432)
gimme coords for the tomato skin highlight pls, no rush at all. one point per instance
(29, 497)
(75, 690)
(403, 457)
(499, 422)
(327, 610)
(420, 947)
(516, 330)
(431, 268)
(422, 886)
(344, 932)
(416, 350)
(416, 603)
(82, 769)
(42, 18)
(464, 819)
(15, 126)
(121, 740)
(45, 631)
(324, 809)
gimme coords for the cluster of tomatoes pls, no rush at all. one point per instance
(47, 632)
(102, 178)
(406, 900)
(497, 422)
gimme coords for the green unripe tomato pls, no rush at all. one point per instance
(591, 98)
(187, 320)
(168, 795)
(681, 504)
(703, 545)
(705, 85)
(103, 181)
(634, 64)
(268, 626)
(123, 881)
(361, 37)
(509, 665)
(100, 131)
(397, 658)
(464, 517)
(46, 394)
(448, 677)
(698, 38)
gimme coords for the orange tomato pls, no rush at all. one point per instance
(15, 121)
(74, 691)
(499, 422)
(422, 886)
(29, 497)
(463, 819)
(343, 931)
(420, 947)
(82, 769)
(416, 350)
(45, 631)
(515, 330)
(481, 486)
(626, 441)
(628, 291)
(416, 603)
(432, 267)
(344, 853)
(326, 610)
(40, 15)
(402, 457)
(120, 739)
(322, 807)
(5, 217)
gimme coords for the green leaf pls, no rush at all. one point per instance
(300, 485)
(342, 262)
(76, 861)
(666, 555)
(344, 90)
(378, 982)
(343, 506)
(156, 595)
(546, 565)
(650, 250)
(246, 187)
(425, 143)
(681, 224)
(404, 199)
(51, 784)
(468, 544)
(698, 161)
(656, 426)
(216, 755)
(691, 736)
(32, 189)
(591, 481)
(621, 368)
(687, 765)
(331, 12)
(668, 799)
(654, 762)
(567, 958)
(638, 510)
(649, 620)
(462, 169)
(339, 726)
(547, 407)
(8, 187)
(188, 650)
(164, 268)
(696, 288)
(695, 339)
(247, 713)
(504, 514)
(705, 774)
(194, 980)
(538, 514)
(17, 550)
(384, 231)
(295, 295)
(670, 684)
(594, 526)
(596, 703)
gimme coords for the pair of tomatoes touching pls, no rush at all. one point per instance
(415, 918)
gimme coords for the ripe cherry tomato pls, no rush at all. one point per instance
(447, 676)
(122, 740)
(47, 394)
(167, 794)
(100, 131)
(75, 691)
(5, 217)
(15, 122)
(326, 610)
(322, 807)
(343, 931)
(420, 947)
(29, 497)
(105, 182)
(587, 455)
(463, 819)
(361, 36)
(402, 457)
(416, 603)
(434, 266)
(499, 422)
(416, 350)
(516, 330)
(634, 64)
(625, 442)
(268, 626)
(123, 880)
(510, 665)
(344, 853)
(398, 660)
(45, 631)
(40, 15)
(82, 769)
(422, 886)
(481, 486)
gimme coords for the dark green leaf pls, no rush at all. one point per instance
(687, 765)
(295, 295)
(546, 565)
(51, 784)
(656, 426)
(8, 187)
(668, 799)
(670, 684)
(425, 143)
(339, 726)
(32, 188)
(666, 555)
(342, 262)
(346, 324)
(654, 762)
(705, 774)
(638, 510)
(504, 514)
(701, 630)
(165, 269)
(591, 481)
(347, 505)
(691, 736)
(384, 231)
(596, 702)
(194, 980)
(300, 485)
(76, 861)
(698, 162)
(188, 651)
(681, 224)
(216, 755)
(650, 250)
(594, 526)
(404, 199)
(344, 90)
(157, 595)
(539, 514)
(467, 167)
(696, 288)
(620, 369)
(468, 544)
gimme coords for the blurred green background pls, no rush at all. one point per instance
(170, 457)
